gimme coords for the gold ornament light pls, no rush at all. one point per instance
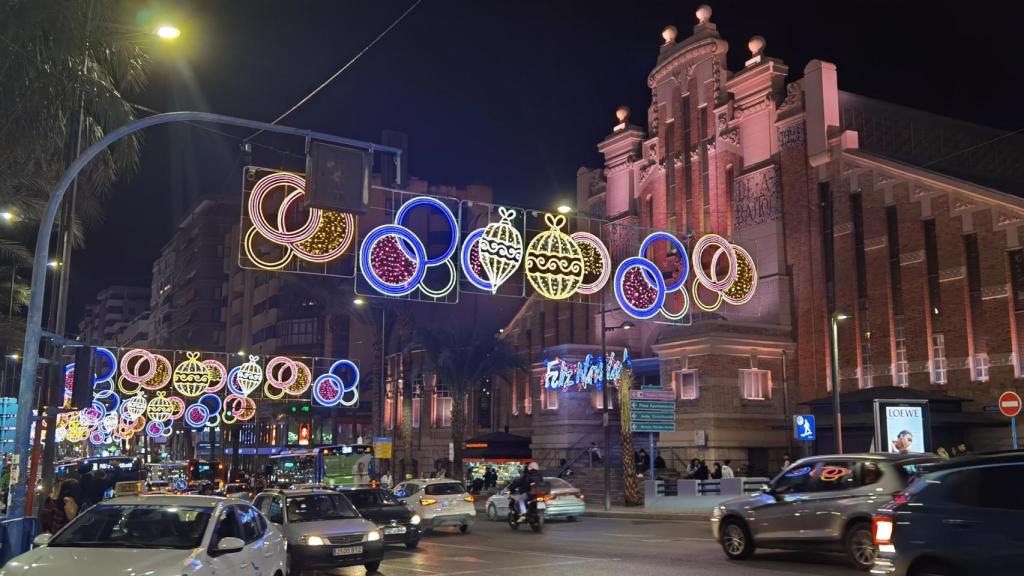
(554, 262)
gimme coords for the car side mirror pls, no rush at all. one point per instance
(43, 539)
(230, 544)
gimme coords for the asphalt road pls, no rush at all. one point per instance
(592, 547)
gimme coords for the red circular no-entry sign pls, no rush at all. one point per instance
(1009, 404)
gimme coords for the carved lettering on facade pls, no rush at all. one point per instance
(792, 136)
(757, 198)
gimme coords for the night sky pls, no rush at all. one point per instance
(512, 94)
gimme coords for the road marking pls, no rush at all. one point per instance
(493, 549)
(545, 565)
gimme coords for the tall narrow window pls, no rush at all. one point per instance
(980, 366)
(417, 400)
(931, 251)
(857, 216)
(939, 371)
(729, 193)
(687, 163)
(685, 383)
(705, 175)
(973, 263)
(442, 405)
(825, 203)
(902, 367)
(649, 208)
(549, 399)
(515, 393)
(527, 397)
(867, 370)
(389, 404)
(895, 278)
(669, 138)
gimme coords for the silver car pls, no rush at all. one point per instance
(824, 502)
(323, 530)
(565, 501)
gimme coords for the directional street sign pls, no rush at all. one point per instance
(641, 405)
(647, 416)
(653, 426)
(664, 395)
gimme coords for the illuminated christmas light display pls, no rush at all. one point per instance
(735, 286)
(322, 238)
(500, 249)
(563, 375)
(394, 261)
(554, 262)
(472, 267)
(597, 262)
(639, 287)
(745, 284)
(225, 396)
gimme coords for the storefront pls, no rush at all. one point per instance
(503, 452)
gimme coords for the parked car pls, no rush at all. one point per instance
(962, 517)
(398, 523)
(163, 535)
(323, 530)
(565, 501)
(438, 502)
(824, 502)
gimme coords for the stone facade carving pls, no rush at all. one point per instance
(723, 123)
(952, 273)
(961, 204)
(652, 151)
(716, 77)
(882, 179)
(759, 106)
(840, 229)
(731, 136)
(792, 136)
(794, 96)
(1005, 219)
(877, 242)
(695, 154)
(672, 64)
(991, 292)
(911, 257)
(757, 198)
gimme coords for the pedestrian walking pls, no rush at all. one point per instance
(727, 470)
(595, 453)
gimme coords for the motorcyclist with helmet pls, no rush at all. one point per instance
(522, 487)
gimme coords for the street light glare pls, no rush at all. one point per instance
(627, 325)
(564, 209)
(53, 263)
(7, 216)
(168, 32)
(359, 301)
(842, 316)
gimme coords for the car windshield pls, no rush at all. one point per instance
(444, 489)
(314, 507)
(366, 498)
(136, 526)
(237, 488)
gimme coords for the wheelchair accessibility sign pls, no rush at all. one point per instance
(803, 427)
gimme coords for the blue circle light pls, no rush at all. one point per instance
(653, 237)
(650, 272)
(445, 211)
(467, 249)
(404, 234)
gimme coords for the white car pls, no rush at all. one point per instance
(564, 501)
(159, 536)
(439, 502)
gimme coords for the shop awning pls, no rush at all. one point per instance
(497, 447)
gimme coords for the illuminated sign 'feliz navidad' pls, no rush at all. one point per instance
(588, 373)
(394, 260)
(142, 393)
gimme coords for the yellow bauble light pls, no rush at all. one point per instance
(554, 262)
(161, 409)
(501, 249)
(191, 377)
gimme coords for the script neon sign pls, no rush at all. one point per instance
(589, 372)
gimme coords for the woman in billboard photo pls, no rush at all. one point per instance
(902, 442)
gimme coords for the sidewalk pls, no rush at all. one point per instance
(690, 508)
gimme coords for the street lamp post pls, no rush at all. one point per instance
(837, 415)
(33, 323)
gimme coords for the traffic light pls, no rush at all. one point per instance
(81, 388)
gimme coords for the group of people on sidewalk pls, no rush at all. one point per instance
(698, 470)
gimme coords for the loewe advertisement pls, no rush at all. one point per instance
(902, 426)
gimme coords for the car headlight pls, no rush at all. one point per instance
(315, 541)
(415, 520)
(717, 512)
(373, 536)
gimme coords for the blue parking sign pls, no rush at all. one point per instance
(803, 427)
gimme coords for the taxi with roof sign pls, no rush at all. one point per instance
(158, 535)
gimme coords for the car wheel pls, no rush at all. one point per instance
(932, 568)
(372, 567)
(860, 546)
(570, 518)
(736, 540)
(464, 528)
(412, 545)
(492, 513)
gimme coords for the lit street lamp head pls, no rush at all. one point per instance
(627, 325)
(564, 208)
(6, 216)
(359, 301)
(167, 32)
(840, 315)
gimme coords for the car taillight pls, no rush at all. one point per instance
(901, 497)
(543, 498)
(882, 527)
(581, 496)
(428, 501)
(470, 498)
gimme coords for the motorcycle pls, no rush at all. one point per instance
(534, 512)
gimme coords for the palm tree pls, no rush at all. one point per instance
(630, 485)
(462, 360)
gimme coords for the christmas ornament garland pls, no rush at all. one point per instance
(554, 262)
(501, 249)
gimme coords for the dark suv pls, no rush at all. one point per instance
(823, 502)
(963, 516)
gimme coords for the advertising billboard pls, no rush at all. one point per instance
(902, 426)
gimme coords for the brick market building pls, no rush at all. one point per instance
(902, 220)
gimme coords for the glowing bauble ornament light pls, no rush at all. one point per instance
(161, 408)
(597, 262)
(554, 262)
(249, 376)
(745, 284)
(500, 249)
(390, 263)
(191, 377)
(218, 375)
(134, 407)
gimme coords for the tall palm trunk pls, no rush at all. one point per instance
(458, 431)
(407, 416)
(631, 487)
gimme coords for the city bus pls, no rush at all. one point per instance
(109, 469)
(339, 465)
(185, 472)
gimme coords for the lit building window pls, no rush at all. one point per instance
(527, 398)
(442, 406)
(515, 393)
(389, 404)
(548, 399)
(756, 384)
(867, 370)
(902, 368)
(685, 383)
(981, 367)
(939, 371)
(417, 400)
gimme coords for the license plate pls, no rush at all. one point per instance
(395, 530)
(541, 505)
(347, 551)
